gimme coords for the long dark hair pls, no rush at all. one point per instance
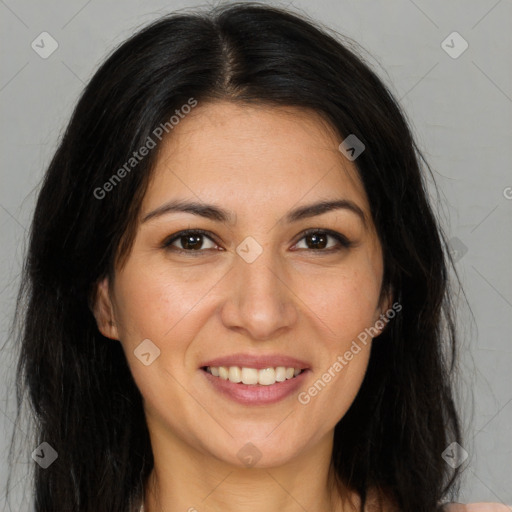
(84, 400)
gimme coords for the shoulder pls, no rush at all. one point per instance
(477, 507)
(382, 502)
(385, 504)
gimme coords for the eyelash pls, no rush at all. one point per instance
(343, 241)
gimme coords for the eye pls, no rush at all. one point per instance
(189, 241)
(192, 241)
(318, 240)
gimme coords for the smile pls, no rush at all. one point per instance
(253, 376)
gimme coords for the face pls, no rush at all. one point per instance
(262, 280)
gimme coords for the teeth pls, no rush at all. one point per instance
(280, 374)
(249, 376)
(253, 376)
(266, 376)
(235, 374)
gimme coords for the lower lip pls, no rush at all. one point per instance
(256, 394)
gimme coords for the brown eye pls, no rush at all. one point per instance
(193, 242)
(324, 241)
(316, 241)
(189, 241)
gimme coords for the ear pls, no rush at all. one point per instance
(386, 301)
(383, 316)
(103, 310)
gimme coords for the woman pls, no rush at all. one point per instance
(237, 290)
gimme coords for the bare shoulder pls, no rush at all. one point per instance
(380, 502)
(477, 507)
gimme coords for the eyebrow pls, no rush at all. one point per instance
(216, 213)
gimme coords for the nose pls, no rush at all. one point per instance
(259, 301)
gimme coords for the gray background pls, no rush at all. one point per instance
(460, 110)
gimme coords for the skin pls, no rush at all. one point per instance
(478, 507)
(294, 299)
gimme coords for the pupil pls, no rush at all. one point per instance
(191, 241)
(318, 240)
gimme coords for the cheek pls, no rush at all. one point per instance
(158, 306)
(153, 304)
(350, 306)
(346, 301)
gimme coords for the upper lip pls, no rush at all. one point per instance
(257, 361)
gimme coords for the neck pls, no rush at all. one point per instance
(185, 479)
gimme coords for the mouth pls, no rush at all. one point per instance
(254, 376)
(255, 386)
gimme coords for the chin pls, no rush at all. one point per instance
(259, 453)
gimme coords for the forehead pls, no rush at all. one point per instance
(242, 153)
